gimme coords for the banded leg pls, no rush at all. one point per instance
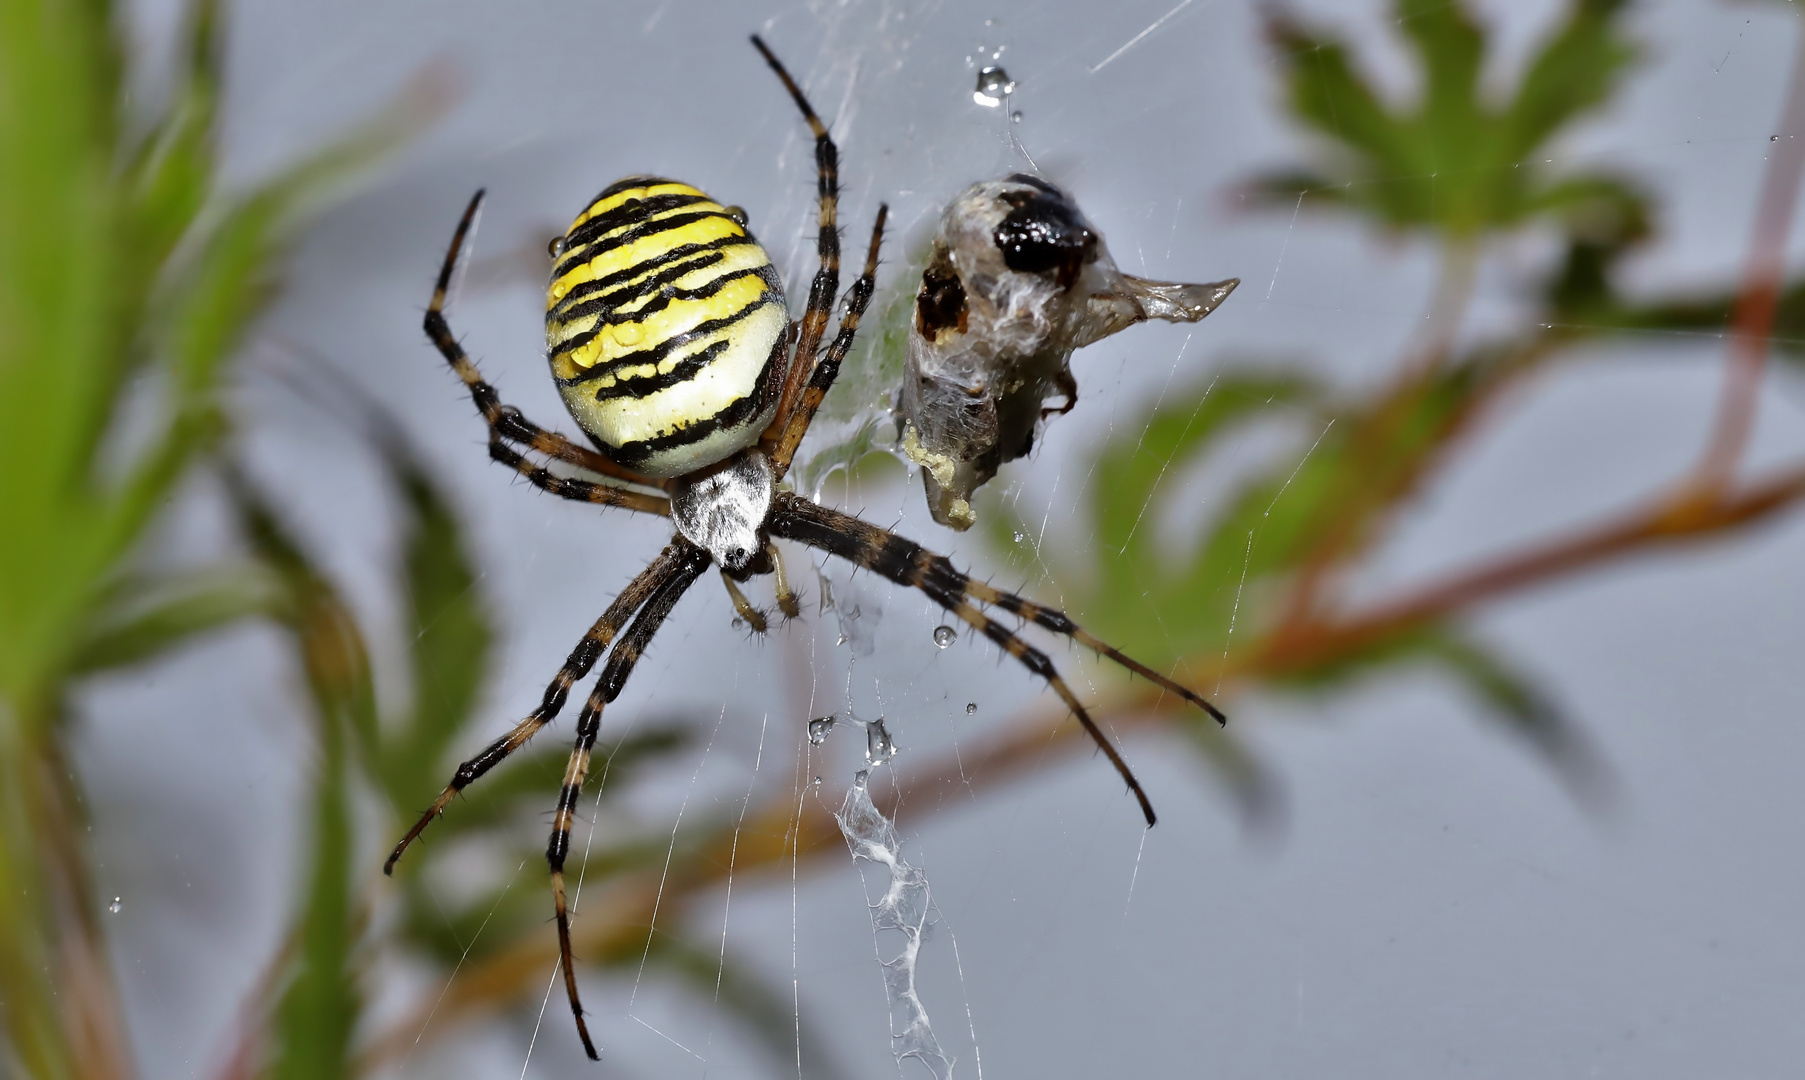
(822, 380)
(688, 563)
(939, 570)
(569, 487)
(577, 665)
(826, 284)
(505, 422)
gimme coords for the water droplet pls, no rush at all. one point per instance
(1020, 536)
(628, 333)
(739, 624)
(1773, 138)
(1016, 116)
(815, 783)
(971, 707)
(738, 214)
(879, 746)
(819, 728)
(556, 247)
(994, 85)
(116, 905)
(945, 635)
(559, 290)
(861, 777)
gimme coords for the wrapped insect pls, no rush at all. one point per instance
(1018, 279)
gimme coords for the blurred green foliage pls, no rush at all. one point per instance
(1453, 166)
(128, 279)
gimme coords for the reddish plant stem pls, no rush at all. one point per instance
(1753, 320)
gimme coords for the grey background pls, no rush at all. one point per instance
(1435, 905)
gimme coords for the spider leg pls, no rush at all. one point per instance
(580, 661)
(938, 569)
(907, 563)
(686, 564)
(822, 380)
(505, 421)
(827, 278)
(568, 487)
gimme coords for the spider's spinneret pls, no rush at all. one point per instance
(664, 324)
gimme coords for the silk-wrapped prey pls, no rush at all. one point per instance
(1017, 280)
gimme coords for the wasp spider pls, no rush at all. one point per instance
(668, 336)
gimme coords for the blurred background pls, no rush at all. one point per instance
(1472, 507)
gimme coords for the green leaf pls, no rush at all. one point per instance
(1507, 696)
(450, 641)
(1576, 70)
(1526, 712)
(145, 619)
(1450, 160)
(318, 1008)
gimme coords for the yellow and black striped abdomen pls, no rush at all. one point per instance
(664, 323)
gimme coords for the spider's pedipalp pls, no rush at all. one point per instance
(908, 563)
(578, 664)
(786, 596)
(747, 612)
(687, 564)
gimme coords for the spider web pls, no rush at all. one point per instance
(1422, 853)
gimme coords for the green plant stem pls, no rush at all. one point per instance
(62, 1016)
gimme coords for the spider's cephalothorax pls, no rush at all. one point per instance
(668, 336)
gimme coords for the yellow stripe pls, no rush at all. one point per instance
(682, 316)
(717, 227)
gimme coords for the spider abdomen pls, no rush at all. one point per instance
(664, 323)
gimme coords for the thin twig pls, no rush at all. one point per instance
(1753, 321)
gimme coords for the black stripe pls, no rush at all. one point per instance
(579, 301)
(628, 213)
(656, 353)
(584, 288)
(631, 454)
(648, 229)
(627, 183)
(605, 306)
(687, 369)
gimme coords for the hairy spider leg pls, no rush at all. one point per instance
(822, 379)
(569, 487)
(689, 562)
(578, 664)
(908, 563)
(506, 422)
(826, 284)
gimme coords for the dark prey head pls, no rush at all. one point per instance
(1045, 232)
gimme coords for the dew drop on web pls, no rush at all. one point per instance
(819, 728)
(994, 85)
(879, 746)
(944, 636)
